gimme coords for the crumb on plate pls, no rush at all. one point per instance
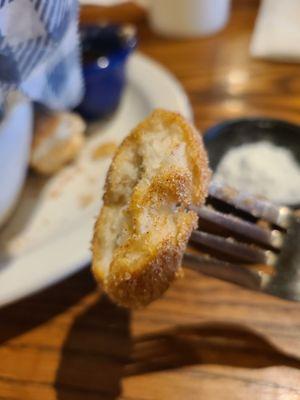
(104, 150)
(85, 200)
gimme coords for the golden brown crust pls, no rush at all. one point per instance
(148, 282)
(144, 225)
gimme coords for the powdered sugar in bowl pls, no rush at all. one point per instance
(259, 156)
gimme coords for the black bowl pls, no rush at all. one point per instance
(233, 133)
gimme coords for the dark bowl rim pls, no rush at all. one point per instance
(214, 130)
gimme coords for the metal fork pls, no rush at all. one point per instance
(248, 241)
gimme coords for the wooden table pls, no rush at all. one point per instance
(204, 339)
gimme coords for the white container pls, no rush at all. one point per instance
(15, 142)
(188, 18)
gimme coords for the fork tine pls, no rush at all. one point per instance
(259, 208)
(234, 273)
(241, 228)
(229, 248)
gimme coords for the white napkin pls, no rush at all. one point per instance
(277, 31)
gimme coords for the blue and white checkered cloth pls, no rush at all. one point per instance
(39, 51)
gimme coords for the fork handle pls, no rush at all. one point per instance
(286, 282)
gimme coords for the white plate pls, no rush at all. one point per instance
(49, 235)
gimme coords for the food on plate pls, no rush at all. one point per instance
(145, 222)
(58, 138)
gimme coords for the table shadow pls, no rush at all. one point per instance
(99, 352)
(94, 354)
(25, 315)
(211, 343)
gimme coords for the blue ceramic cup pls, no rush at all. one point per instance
(105, 51)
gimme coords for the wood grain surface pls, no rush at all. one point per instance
(204, 339)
